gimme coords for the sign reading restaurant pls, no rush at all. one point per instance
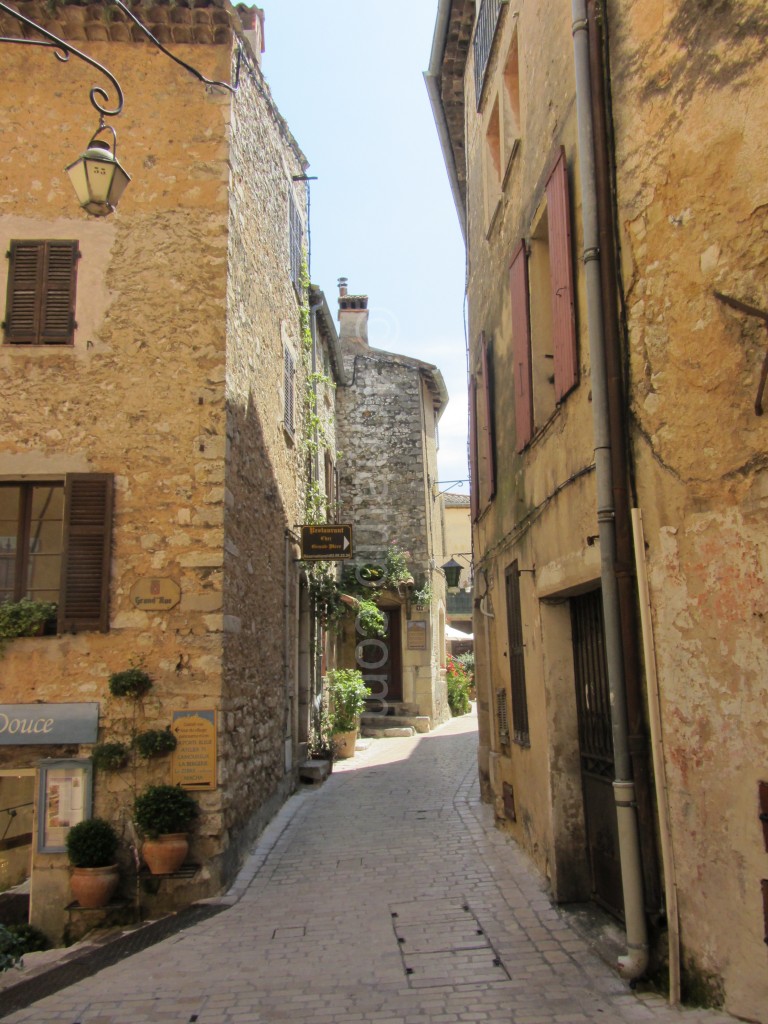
(22, 724)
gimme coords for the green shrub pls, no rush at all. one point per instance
(160, 810)
(347, 692)
(10, 949)
(92, 844)
(131, 682)
(155, 742)
(31, 939)
(24, 618)
(370, 619)
(110, 757)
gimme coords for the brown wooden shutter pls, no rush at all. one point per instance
(561, 275)
(57, 302)
(490, 438)
(84, 591)
(474, 480)
(521, 347)
(41, 293)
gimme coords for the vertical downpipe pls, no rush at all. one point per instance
(635, 962)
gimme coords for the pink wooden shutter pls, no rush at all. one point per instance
(521, 347)
(474, 480)
(561, 274)
(490, 444)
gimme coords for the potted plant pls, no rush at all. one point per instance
(155, 742)
(164, 814)
(24, 618)
(91, 847)
(347, 693)
(132, 682)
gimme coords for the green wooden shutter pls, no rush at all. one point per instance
(41, 293)
(84, 591)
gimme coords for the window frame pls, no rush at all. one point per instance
(521, 733)
(86, 548)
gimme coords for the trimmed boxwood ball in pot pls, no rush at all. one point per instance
(163, 809)
(92, 844)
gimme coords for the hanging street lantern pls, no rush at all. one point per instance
(97, 176)
(452, 571)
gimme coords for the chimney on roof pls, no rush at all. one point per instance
(353, 315)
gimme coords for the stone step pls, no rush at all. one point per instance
(387, 732)
(314, 771)
(420, 723)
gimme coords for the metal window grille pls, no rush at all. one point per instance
(502, 716)
(289, 372)
(485, 30)
(517, 657)
(296, 241)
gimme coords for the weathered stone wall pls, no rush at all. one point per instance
(265, 468)
(691, 109)
(174, 384)
(544, 508)
(386, 430)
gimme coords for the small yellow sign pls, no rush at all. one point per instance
(193, 763)
(155, 594)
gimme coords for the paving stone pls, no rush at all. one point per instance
(307, 933)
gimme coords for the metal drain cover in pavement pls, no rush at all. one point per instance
(443, 943)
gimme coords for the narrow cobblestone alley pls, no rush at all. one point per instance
(386, 896)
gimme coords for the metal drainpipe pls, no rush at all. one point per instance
(625, 573)
(635, 962)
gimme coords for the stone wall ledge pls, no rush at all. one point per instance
(201, 22)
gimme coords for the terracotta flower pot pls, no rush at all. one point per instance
(165, 854)
(344, 743)
(93, 887)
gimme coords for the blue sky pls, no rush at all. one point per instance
(347, 76)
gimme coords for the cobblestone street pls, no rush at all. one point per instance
(385, 896)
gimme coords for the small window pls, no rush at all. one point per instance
(289, 387)
(296, 241)
(517, 657)
(330, 487)
(40, 306)
(510, 106)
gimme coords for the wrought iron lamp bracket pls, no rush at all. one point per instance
(99, 96)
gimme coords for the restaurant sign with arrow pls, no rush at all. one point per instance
(327, 542)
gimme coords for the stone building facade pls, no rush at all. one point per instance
(617, 306)
(173, 405)
(387, 416)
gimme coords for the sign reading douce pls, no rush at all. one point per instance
(22, 724)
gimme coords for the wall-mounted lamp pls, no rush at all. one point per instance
(452, 571)
(97, 176)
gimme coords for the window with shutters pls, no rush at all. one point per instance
(55, 540)
(501, 127)
(289, 392)
(520, 728)
(296, 241)
(543, 311)
(40, 304)
(482, 431)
